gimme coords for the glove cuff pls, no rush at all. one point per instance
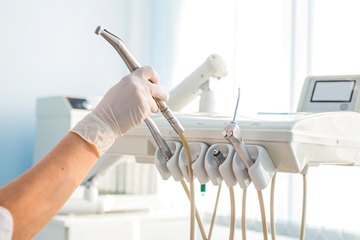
(95, 131)
(7, 224)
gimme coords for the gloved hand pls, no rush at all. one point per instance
(123, 107)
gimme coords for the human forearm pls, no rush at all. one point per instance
(39, 193)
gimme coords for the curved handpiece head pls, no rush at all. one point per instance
(132, 65)
(232, 133)
(120, 47)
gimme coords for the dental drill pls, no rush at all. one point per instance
(132, 65)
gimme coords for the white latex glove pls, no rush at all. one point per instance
(123, 107)
(6, 224)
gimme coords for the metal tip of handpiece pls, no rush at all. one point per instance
(98, 30)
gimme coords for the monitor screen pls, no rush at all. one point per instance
(333, 91)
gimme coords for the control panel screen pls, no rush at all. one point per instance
(333, 91)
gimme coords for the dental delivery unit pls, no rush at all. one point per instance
(237, 150)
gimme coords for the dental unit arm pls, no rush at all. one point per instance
(132, 65)
(213, 67)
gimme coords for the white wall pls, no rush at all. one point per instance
(49, 48)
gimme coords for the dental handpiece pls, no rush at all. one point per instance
(218, 157)
(232, 133)
(132, 65)
(160, 141)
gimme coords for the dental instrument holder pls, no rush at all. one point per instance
(169, 167)
(160, 141)
(197, 151)
(258, 163)
(263, 168)
(219, 171)
(232, 133)
(173, 163)
(212, 165)
(241, 172)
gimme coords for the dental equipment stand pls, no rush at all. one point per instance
(293, 141)
(318, 133)
(325, 130)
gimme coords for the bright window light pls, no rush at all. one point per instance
(253, 40)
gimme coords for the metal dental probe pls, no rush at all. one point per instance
(132, 65)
